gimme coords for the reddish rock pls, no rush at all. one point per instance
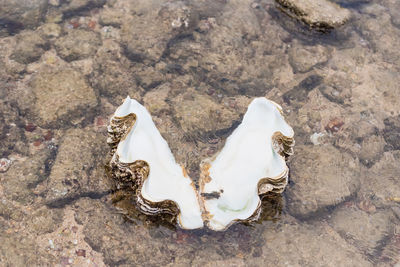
(30, 127)
(48, 136)
(334, 125)
(92, 24)
(37, 143)
(81, 253)
(4, 164)
(75, 24)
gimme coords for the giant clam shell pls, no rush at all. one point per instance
(250, 165)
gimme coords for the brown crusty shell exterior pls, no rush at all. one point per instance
(131, 176)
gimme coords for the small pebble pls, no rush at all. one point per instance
(37, 143)
(81, 252)
(334, 125)
(92, 24)
(30, 127)
(75, 24)
(5, 164)
(48, 136)
(51, 243)
(314, 138)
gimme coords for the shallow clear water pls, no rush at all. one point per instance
(65, 67)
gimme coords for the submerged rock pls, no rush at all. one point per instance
(21, 13)
(77, 44)
(372, 148)
(45, 220)
(320, 14)
(30, 47)
(49, 30)
(113, 78)
(148, 32)
(365, 231)
(304, 59)
(391, 132)
(382, 180)
(310, 245)
(11, 135)
(61, 96)
(155, 100)
(16, 250)
(111, 17)
(24, 174)
(199, 113)
(322, 177)
(81, 5)
(76, 172)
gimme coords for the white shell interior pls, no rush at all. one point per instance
(247, 157)
(166, 180)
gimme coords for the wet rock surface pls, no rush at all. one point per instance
(77, 44)
(323, 245)
(316, 183)
(50, 90)
(304, 59)
(202, 114)
(20, 180)
(65, 66)
(321, 14)
(17, 14)
(367, 231)
(30, 47)
(391, 132)
(73, 173)
(381, 181)
(164, 21)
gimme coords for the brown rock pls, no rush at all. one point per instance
(45, 220)
(113, 78)
(322, 177)
(365, 231)
(30, 47)
(155, 99)
(111, 17)
(382, 179)
(22, 13)
(303, 59)
(159, 23)
(199, 113)
(309, 245)
(80, 5)
(334, 125)
(77, 44)
(316, 13)
(60, 95)
(372, 148)
(77, 171)
(24, 175)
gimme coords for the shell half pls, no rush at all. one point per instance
(145, 161)
(252, 163)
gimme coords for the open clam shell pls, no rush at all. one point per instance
(143, 160)
(250, 165)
